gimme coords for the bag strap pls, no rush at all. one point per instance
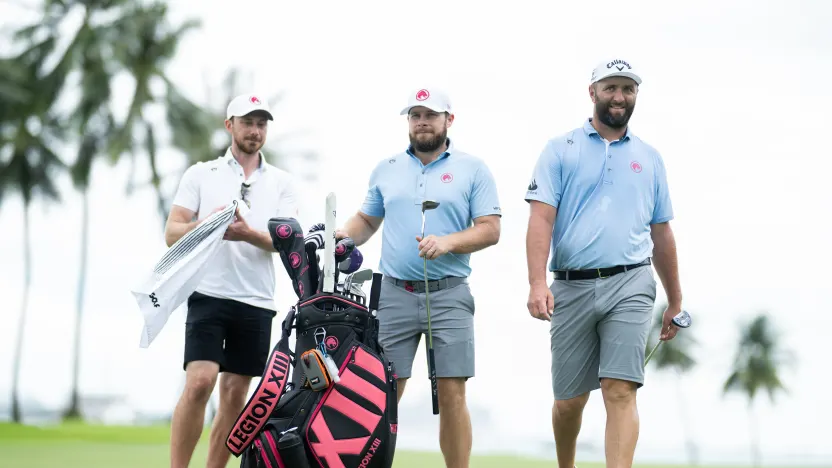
(265, 398)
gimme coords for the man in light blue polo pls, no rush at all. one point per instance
(467, 220)
(599, 200)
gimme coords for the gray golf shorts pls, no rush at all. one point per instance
(403, 320)
(599, 330)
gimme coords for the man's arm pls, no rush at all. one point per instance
(538, 238)
(261, 239)
(484, 233)
(360, 227)
(180, 222)
(665, 261)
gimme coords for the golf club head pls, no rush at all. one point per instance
(359, 277)
(682, 319)
(429, 205)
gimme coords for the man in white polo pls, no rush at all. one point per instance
(229, 320)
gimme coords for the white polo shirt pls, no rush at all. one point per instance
(239, 271)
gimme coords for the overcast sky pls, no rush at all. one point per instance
(734, 97)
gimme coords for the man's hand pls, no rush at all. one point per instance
(541, 302)
(433, 247)
(668, 328)
(239, 230)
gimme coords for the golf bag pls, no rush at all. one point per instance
(337, 408)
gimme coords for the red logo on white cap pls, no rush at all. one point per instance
(422, 94)
(254, 100)
(635, 166)
(447, 177)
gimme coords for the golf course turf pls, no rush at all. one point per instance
(79, 445)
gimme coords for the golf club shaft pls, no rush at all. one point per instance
(434, 391)
(651, 352)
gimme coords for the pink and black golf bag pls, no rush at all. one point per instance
(338, 407)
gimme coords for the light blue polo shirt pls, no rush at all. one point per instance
(607, 196)
(461, 183)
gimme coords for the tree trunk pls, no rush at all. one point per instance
(74, 410)
(754, 435)
(17, 412)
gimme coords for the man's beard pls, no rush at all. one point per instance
(248, 146)
(606, 117)
(423, 142)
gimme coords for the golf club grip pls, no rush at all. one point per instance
(434, 391)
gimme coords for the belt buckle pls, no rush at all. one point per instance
(600, 275)
(408, 286)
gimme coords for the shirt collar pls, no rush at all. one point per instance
(590, 130)
(228, 157)
(447, 152)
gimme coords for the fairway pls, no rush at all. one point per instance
(78, 445)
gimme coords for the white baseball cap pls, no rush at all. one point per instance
(614, 67)
(245, 104)
(432, 98)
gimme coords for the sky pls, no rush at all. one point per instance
(734, 98)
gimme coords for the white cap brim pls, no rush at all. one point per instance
(625, 74)
(406, 110)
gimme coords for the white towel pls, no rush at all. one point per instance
(178, 273)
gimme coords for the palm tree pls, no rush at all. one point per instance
(114, 36)
(29, 130)
(675, 355)
(759, 358)
(146, 45)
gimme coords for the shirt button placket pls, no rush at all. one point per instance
(608, 166)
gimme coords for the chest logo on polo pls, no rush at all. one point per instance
(635, 166)
(447, 177)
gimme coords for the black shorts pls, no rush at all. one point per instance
(233, 334)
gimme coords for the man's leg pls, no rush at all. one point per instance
(567, 416)
(628, 298)
(400, 383)
(452, 323)
(247, 347)
(575, 356)
(233, 392)
(455, 432)
(189, 414)
(398, 334)
(204, 335)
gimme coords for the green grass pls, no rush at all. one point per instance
(79, 445)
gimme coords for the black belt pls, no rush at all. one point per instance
(419, 286)
(597, 272)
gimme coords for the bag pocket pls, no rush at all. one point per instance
(351, 424)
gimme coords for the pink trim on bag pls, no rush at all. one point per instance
(329, 448)
(263, 454)
(273, 446)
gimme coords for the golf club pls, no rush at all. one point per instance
(681, 320)
(430, 205)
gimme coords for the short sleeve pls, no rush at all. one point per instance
(484, 198)
(289, 200)
(663, 208)
(546, 185)
(187, 195)
(374, 201)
